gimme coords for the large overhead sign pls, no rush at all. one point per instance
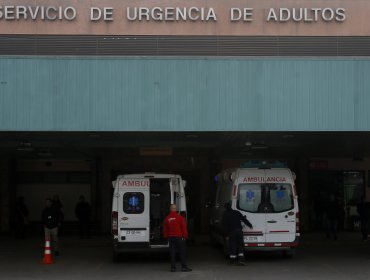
(190, 17)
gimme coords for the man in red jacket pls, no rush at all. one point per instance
(175, 230)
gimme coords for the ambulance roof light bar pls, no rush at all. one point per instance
(264, 164)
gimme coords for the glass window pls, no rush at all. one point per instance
(281, 197)
(249, 197)
(265, 198)
(133, 203)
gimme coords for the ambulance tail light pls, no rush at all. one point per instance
(297, 222)
(114, 223)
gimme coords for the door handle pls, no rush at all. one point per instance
(271, 222)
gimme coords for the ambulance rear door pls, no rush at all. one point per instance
(134, 208)
(249, 196)
(178, 195)
(281, 218)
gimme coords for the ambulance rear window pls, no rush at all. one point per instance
(265, 198)
(133, 203)
(249, 197)
(281, 197)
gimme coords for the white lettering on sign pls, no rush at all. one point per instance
(135, 183)
(173, 14)
(306, 14)
(237, 14)
(105, 14)
(170, 14)
(50, 13)
(257, 179)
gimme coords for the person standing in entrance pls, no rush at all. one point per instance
(175, 230)
(57, 204)
(332, 212)
(83, 214)
(51, 220)
(21, 218)
(363, 209)
(231, 223)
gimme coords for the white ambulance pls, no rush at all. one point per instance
(268, 198)
(140, 204)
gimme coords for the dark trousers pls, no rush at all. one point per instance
(84, 228)
(236, 244)
(332, 228)
(20, 230)
(177, 244)
(364, 228)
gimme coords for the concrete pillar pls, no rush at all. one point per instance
(104, 195)
(5, 195)
(303, 192)
(205, 185)
(94, 194)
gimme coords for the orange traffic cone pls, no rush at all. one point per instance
(47, 254)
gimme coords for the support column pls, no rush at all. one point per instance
(303, 193)
(5, 195)
(104, 194)
(205, 185)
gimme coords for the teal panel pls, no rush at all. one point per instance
(184, 94)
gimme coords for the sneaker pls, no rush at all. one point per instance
(173, 269)
(186, 269)
(241, 263)
(232, 261)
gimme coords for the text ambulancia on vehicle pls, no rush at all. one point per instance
(267, 196)
(140, 204)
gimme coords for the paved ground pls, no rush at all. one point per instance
(317, 258)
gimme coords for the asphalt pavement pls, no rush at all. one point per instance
(316, 258)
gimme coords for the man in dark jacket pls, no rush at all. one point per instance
(83, 214)
(175, 230)
(333, 210)
(363, 209)
(231, 223)
(21, 218)
(51, 219)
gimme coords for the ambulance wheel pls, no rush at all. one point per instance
(288, 254)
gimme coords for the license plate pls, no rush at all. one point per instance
(133, 232)
(250, 238)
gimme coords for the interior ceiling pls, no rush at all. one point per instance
(219, 144)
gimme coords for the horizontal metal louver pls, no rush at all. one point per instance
(183, 45)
